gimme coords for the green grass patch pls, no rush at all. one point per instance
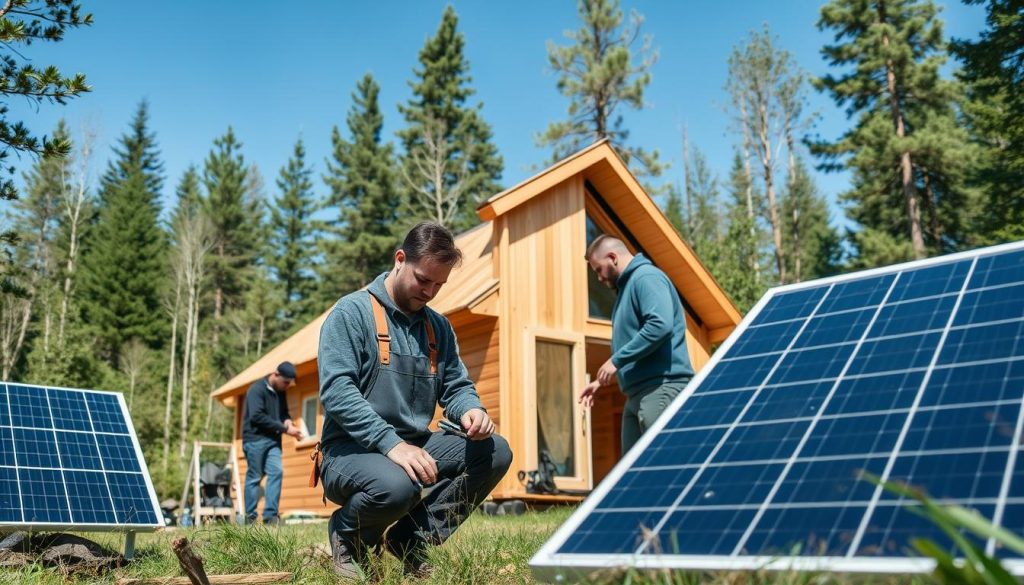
(486, 550)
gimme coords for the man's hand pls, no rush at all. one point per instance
(477, 424)
(588, 393)
(291, 430)
(606, 375)
(416, 462)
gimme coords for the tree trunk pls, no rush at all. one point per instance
(186, 372)
(751, 214)
(73, 210)
(175, 314)
(768, 174)
(906, 164)
(796, 254)
(932, 208)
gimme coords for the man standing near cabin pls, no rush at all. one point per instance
(649, 356)
(386, 362)
(264, 420)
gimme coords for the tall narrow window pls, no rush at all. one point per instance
(310, 409)
(555, 432)
(601, 297)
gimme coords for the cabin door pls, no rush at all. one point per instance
(555, 373)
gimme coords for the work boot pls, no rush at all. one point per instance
(413, 557)
(346, 559)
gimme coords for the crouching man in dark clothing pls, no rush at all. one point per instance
(386, 361)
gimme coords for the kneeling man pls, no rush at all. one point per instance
(386, 361)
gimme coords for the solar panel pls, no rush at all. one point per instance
(70, 459)
(913, 373)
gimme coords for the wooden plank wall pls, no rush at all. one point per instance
(543, 284)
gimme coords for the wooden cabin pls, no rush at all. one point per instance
(533, 322)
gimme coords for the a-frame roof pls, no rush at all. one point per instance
(640, 223)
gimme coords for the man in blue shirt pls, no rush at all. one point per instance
(649, 356)
(264, 420)
(386, 362)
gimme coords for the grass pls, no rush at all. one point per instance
(486, 550)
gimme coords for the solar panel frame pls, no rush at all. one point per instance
(548, 564)
(116, 427)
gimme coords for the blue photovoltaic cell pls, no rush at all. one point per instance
(28, 407)
(68, 410)
(69, 458)
(36, 448)
(131, 498)
(90, 500)
(787, 306)
(106, 413)
(913, 374)
(78, 450)
(10, 495)
(7, 447)
(43, 496)
(118, 453)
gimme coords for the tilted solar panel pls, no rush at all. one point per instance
(70, 460)
(913, 373)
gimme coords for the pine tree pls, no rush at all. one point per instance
(292, 238)
(812, 245)
(702, 215)
(363, 191)
(123, 265)
(235, 216)
(601, 70)
(760, 78)
(446, 137)
(894, 49)
(21, 23)
(190, 196)
(993, 74)
(738, 262)
(674, 211)
(36, 220)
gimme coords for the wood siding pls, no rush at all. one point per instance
(544, 285)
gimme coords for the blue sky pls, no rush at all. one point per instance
(278, 71)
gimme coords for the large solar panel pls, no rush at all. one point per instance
(913, 373)
(70, 460)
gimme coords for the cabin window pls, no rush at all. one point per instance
(555, 395)
(310, 409)
(601, 298)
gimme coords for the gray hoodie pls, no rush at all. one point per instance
(348, 359)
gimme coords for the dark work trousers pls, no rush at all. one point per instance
(376, 492)
(641, 410)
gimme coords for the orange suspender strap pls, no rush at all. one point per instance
(383, 339)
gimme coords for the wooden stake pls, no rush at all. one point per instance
(190, 563)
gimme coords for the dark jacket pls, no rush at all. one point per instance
(265, 412)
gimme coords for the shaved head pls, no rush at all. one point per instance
(603, 244)
(608, 257)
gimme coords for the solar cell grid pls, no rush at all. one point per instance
(913, 373)
(68, 458)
